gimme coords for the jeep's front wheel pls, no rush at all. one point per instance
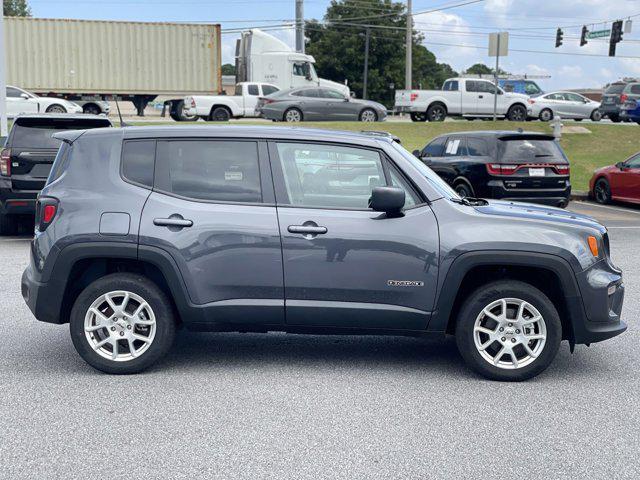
(122, 323)
(509, 331)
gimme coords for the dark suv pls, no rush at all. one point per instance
(523, 166)
(258, 229)
(616, 95)
(26, 159)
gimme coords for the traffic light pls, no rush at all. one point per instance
(583, 37)
(616, 37)
(559, 36)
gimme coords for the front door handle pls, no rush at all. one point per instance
(173, 221)
(480, 96)
(307, 229)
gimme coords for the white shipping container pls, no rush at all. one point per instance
(107, 57)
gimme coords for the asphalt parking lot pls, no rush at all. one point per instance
(286, 406)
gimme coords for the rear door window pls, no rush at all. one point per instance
(269, 89)
(455, 147)
(451, 86)
(472, 86)
(209, 170)
(253, 90)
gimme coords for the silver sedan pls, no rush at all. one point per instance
(318, 104)
(565, 105)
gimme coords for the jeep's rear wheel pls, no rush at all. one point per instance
(122, 323)
(509, 331)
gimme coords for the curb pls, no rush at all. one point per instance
(578, 195)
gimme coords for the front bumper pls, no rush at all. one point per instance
(602, 292)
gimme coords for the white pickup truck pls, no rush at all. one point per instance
(462, 97)
(220, 108)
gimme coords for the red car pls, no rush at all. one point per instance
(617, 182)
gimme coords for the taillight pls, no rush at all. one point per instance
(414, 96)
(5, 162)
(46, 210)
(563, 169)
(500, 169)
(623, 97)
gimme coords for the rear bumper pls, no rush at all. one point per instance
(16, 202)
(610, 109)
(545, 196)
(42, 298)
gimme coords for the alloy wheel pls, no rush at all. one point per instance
(293, 116)
(368, 116)
(120, 326)
(509, 333)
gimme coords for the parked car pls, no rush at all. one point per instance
(318, 104)
(615, 96)
(630, 111)
(565, 105)
(524, 86)
(306, 231)
(20, 101)
(619, 182)
(508, 165)
(463, 97)
(26, 159)
(220, 108)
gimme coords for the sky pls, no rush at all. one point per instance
(458, 36)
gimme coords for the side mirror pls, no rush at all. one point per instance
(621, 165)
(389, 200)
(346, 99)
(417, 153)
(25, 96)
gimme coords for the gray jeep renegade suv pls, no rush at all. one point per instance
(142, 230)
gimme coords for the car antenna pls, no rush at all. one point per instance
(122, 123)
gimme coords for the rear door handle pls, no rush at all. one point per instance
(480, 96)
(172, 222)
(307, 229)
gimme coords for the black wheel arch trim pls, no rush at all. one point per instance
(461, 265)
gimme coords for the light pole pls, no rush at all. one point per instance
(300, 26)
(3, 82)
(409, 42)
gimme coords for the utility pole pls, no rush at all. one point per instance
(409, 44)
(495, 92)
(300, 26)
(366, 62)
(3, 81)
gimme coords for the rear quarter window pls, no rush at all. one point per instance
(635, 89)
(60, 163)
(138, 159)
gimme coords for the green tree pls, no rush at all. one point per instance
(228, 69)
(16, 8)
(482, 69)
(338, 45)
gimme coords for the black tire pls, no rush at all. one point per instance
(8, 225)
(177, 112)
(368, 115)
(473, 308)
(56, 108)
(165, 323)
(546, 115)
(91, 109)
(596, 116)
(418, 117)
(463, 189)
(292, 115)
(602, 191)
(517, 113)
(220, 114)
(436, 113)
(615, 118)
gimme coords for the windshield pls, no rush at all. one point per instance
(615, 89)
(434, 180)
(531, 88)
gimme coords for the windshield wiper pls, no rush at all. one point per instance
(470, 201)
